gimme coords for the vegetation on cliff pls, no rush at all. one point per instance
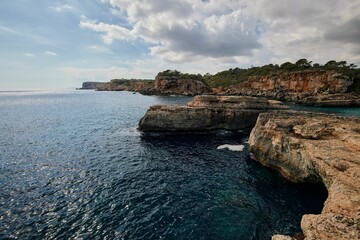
(230, 77)
(237, 75)
(180, 75)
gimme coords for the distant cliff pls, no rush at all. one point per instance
(89, 85)
(133, 85)
(166, 83)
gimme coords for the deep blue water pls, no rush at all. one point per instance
(73, 166)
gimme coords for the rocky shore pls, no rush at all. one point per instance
(302, 146)
(208, 112)
(307, 147)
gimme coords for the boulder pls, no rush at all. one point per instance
(309, 147)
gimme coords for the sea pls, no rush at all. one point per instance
(74, 166)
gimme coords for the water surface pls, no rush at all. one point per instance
(73, 165)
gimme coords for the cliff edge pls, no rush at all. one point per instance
(308, 147)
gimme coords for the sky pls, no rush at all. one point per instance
(46, 44)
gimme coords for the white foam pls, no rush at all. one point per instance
(237, 148)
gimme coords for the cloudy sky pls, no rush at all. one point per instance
(61, 43)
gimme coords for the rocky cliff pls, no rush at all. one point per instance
(320, 88)
(174, 85)
(133, 85)
(307, 147)
(208, 112)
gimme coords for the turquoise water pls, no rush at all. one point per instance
(73, 165)
(343, 111)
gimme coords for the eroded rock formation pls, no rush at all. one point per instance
(173, 85)
(308, 147)
(316, 88)
(208, 112)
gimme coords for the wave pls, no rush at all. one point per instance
(237, 148)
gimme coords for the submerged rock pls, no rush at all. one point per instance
(208, 112)
(309, 147)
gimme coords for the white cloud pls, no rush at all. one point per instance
(243, 31)
(50, 53)
(29, 55)
(110, 32)
(62, 8)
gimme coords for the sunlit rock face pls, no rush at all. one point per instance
(208, 112)
(320, 88)
(308, 147)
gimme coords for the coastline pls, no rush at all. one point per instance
(264, 139)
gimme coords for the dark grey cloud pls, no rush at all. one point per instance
(199, 41)
(182, 30)
(348, 32)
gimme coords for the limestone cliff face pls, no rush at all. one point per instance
(306, 87)
(172, 85)
(208, 112)
(143, 86)
(307, 147)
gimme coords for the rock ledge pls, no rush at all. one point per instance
(208, 112)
